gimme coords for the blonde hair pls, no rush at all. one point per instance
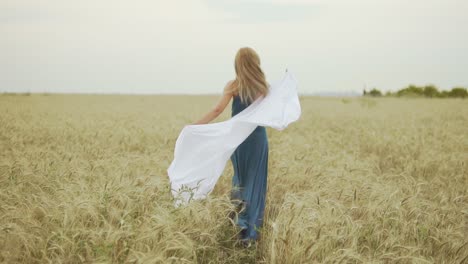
(250, 80)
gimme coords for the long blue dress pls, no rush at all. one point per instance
(249, 183)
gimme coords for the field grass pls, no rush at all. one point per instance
(357, 180)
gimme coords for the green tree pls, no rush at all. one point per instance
(458, 92)
(411, 90)
(430, 91)
(444, 94)
(375, 92)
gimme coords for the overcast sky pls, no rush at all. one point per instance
(153, 46)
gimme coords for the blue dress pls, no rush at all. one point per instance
(249, 183)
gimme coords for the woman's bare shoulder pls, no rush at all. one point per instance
(230, 87)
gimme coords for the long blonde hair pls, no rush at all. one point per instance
(250, 79)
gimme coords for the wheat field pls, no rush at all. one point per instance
(357, 180)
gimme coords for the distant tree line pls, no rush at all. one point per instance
(429, 91)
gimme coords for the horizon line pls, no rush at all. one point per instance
(324, 94)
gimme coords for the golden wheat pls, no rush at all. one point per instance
(83, 179)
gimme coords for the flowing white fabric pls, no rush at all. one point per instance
(201, 151)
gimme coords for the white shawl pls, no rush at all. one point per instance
(201, 151)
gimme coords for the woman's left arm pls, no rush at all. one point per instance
(218, 108)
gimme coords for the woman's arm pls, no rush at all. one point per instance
(218, 108)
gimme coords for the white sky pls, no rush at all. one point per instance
(188, 46)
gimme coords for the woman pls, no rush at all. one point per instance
(250, 159)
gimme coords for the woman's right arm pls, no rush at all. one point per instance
(219, 107)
